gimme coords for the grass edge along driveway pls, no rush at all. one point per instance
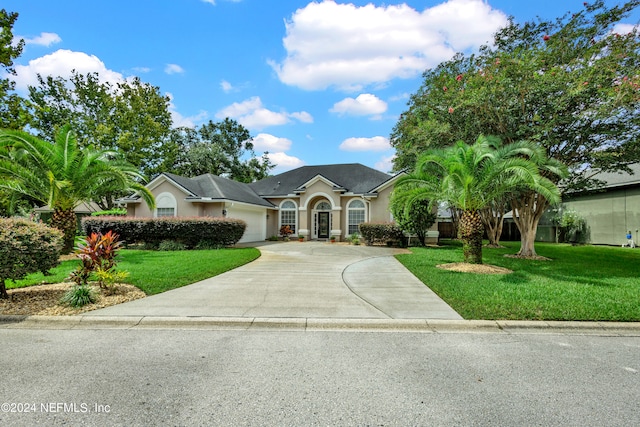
(588, 283)
(158, 271)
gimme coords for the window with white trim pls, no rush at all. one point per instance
(165, 212)
(288, 215)
(165, 205)
(356, 215)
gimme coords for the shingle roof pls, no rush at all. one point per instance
(218, 188)
(352, 177)
(614, 179)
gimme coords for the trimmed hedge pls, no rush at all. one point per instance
(151, 231)
(111, 212)
(26, 247)
(382, 233)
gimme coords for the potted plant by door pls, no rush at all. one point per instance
(300, 238)
(332, 239)
(285, 232)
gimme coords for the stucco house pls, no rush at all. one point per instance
(314, 201)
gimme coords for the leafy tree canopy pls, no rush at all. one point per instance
(224, 148)
(13, 111)
(130, 117)
(570, 85)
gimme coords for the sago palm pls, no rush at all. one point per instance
(471, 177)
(61, 174)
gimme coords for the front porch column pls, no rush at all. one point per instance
(336, 223)
(303, 222)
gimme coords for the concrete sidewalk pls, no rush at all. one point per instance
(293, 280)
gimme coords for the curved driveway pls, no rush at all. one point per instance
(309, 280)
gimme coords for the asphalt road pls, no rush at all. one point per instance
(147, 377)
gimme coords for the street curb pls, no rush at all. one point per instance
(322, 324)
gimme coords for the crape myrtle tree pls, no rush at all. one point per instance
(222, 148)
(129, 117)
(63, 174)
(470, 178)
(570, 85)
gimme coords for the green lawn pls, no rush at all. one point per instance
(579, 283)
(158, 271)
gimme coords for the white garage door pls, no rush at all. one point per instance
(256, 219)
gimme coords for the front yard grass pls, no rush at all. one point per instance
(594, 283)
(158, 271)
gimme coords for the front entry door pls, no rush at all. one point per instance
(323, 225)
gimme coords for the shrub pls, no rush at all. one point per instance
(208, 244)
(97, 252)
(285, 232)
(111, 212)
(188, 231)
(382, 233)
(109, 278)
(26, 247)
(354, 239)
(573, 227)
(414, 217)
(79, 296)
(171, 245)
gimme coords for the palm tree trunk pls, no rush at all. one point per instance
(3, 289)
(65, 221)
(471, 231)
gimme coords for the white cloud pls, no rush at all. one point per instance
(226, 86)
(60, 64)
(252, 114)
(385, 164)
(284, 162)
(303, 116)
(142, 69)
(44, 39)
(364, 105)
(173, 69)
(350, 47)
(624, 28)
(266, 142)
(377, 143)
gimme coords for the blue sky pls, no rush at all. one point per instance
(315, 82)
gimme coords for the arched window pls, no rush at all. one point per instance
(166, 205)
(323, 206)
(289, 215)
(356, 215)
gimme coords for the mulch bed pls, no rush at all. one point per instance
(44, 300)
(464, 267)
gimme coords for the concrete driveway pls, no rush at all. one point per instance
(301, 280)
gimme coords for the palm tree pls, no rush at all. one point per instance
(61, 174)
(472, 177)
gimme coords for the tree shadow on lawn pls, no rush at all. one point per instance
(587, 265)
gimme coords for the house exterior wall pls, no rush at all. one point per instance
(609, 215)
(379, 207)
(183, 208)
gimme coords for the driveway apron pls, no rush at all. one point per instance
(301, 280)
